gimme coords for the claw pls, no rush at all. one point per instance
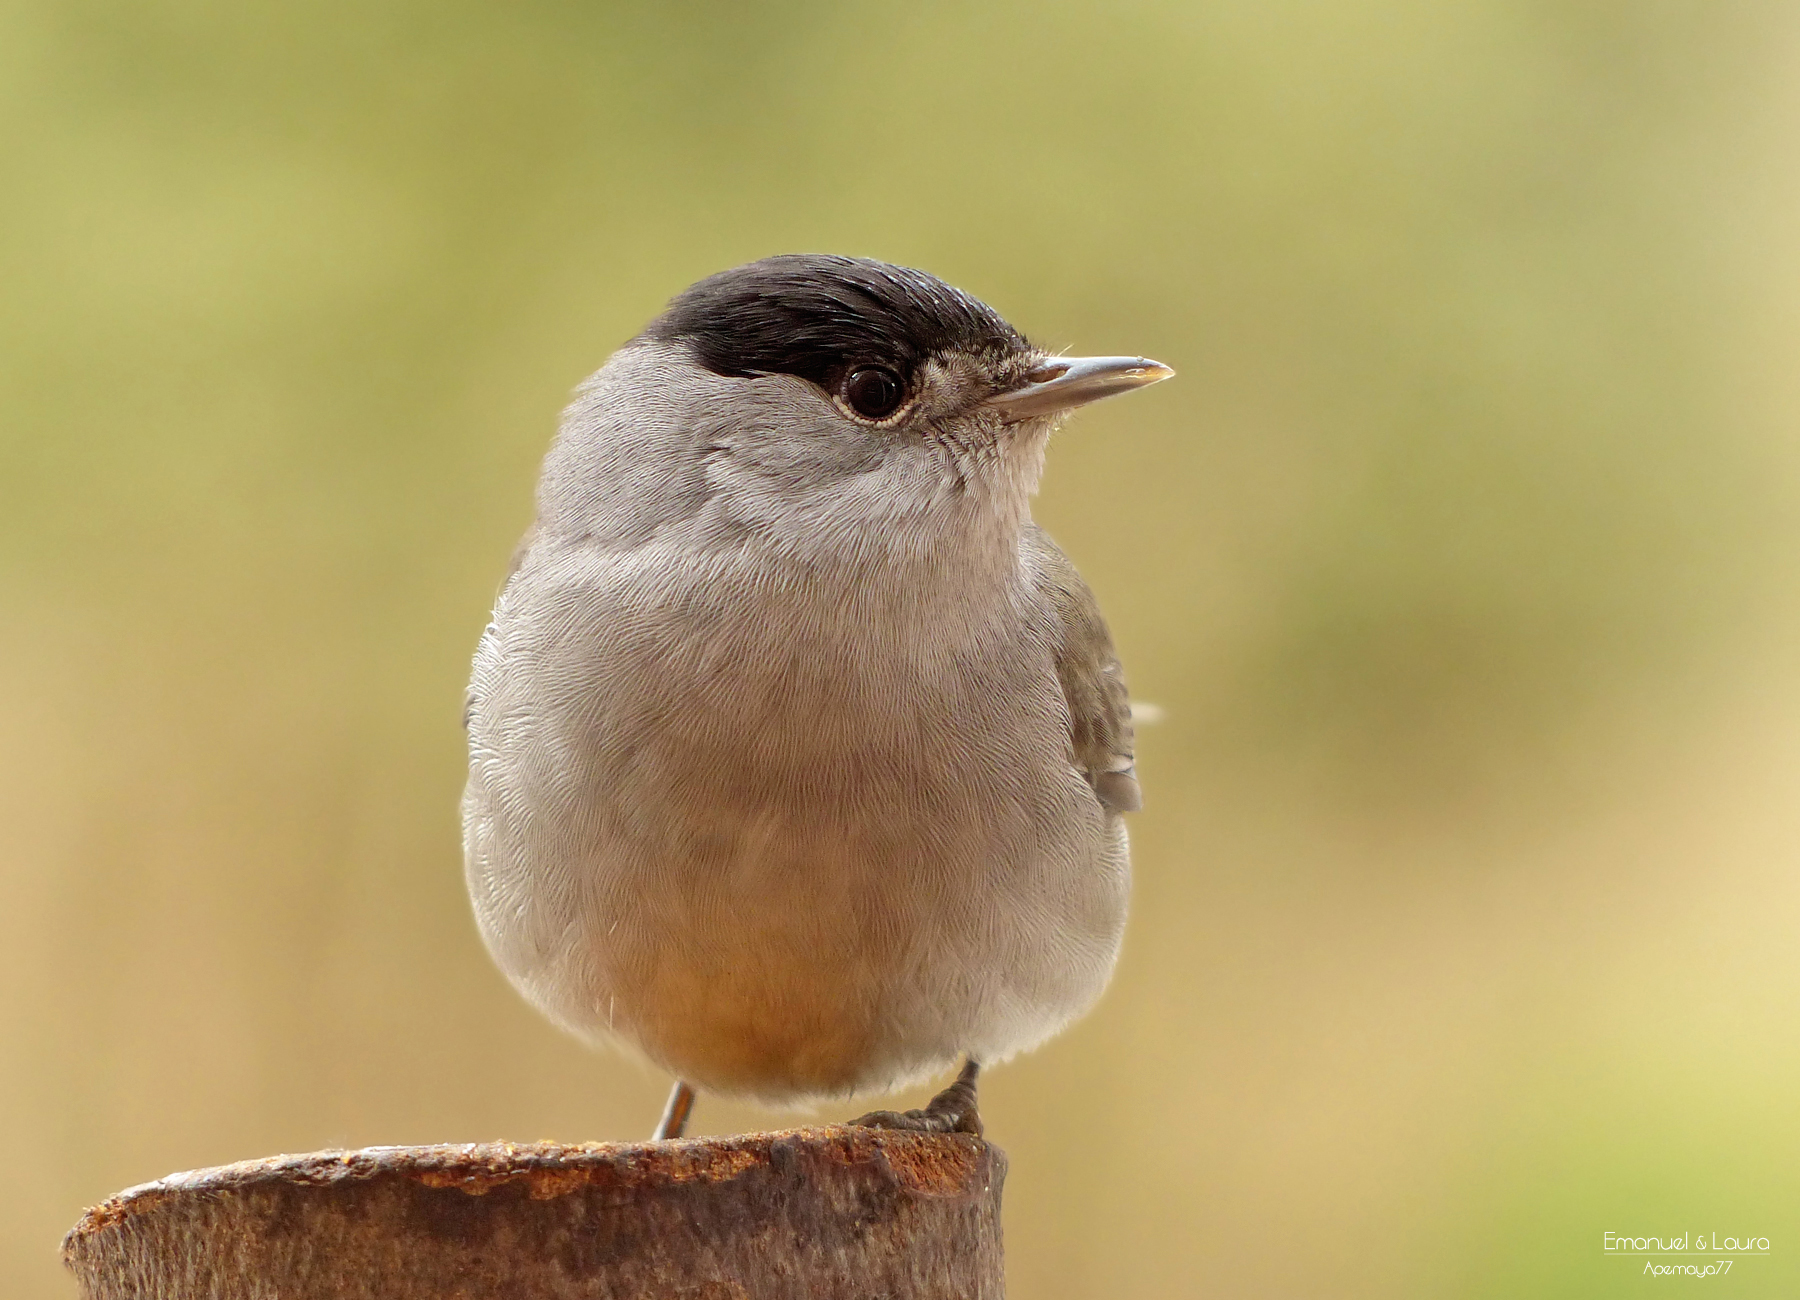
(951, 1111)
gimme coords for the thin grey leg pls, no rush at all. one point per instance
(675, 1115)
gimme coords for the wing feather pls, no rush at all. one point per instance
(1100, 732)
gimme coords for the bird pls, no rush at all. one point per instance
(799, 754)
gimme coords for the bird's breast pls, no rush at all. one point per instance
(697, 777)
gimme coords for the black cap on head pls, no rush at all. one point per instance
(815, 316)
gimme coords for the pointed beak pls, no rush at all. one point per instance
(1063, 383)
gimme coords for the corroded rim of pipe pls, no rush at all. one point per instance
(933, 1164)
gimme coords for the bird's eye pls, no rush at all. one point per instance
(874, 392)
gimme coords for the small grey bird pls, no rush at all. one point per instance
(797, 751)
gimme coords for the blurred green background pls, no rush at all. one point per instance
(1462, 557)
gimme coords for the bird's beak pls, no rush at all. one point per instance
(1063, 383)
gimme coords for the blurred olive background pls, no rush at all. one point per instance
(1461, 556)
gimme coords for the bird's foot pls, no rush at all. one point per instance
(951, 1111)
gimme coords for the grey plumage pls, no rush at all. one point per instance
(797, 751)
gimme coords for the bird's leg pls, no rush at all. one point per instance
(675, 1114)
(951, 1111)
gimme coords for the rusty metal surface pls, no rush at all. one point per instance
(822, 1211)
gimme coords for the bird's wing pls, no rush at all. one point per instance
(1100, 735)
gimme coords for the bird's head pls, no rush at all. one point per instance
(832, 391)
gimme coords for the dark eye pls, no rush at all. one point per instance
(874, 392)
